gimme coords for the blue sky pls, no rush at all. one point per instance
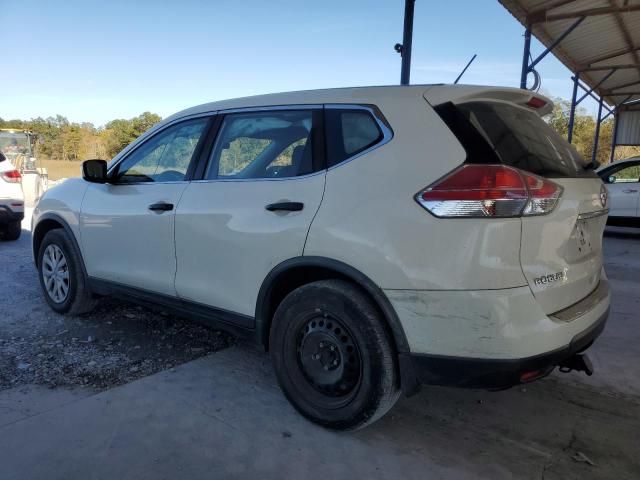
(96, 61)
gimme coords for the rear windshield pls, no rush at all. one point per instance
(493, 132)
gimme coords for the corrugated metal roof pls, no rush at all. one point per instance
(607, 38)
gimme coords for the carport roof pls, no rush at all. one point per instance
(607, 40)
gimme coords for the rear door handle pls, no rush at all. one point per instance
(161, 207)
(629, 191)
(285, 206)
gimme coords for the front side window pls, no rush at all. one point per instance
(349, 132)
(629, 174)
(263, 145)
(165, 157)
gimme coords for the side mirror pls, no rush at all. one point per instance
(95, 171)
(611, 179)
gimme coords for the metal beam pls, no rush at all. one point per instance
(592, 89)
(623, 66)
(618, 94)
(625, 33)
(525, 58)
(528, 67)
(407, 41)
(544, 16)
(592, 95)
(572, 111)
(624, 85)
(615, 134)
(609, 56)
(596, 137)
(555, 43)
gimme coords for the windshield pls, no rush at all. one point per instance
(498, 132)
(13, 144)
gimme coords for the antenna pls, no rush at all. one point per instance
(465, 68)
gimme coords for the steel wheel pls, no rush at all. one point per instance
(55, 273)
(328, 356)
(332, 355)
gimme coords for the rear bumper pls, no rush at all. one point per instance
(8, 215)
(492, 373)
(489, 339)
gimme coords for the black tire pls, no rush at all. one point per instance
(345, 387)
(78, 299)
(12, 231)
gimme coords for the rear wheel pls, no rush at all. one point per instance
(12, 231)
(332, 355)
(61, 276)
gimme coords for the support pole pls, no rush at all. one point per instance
(596, 137)
(407, 40)
(615, 134)
(525, 57)
(572, 111)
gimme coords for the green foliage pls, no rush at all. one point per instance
(120, 133)
(59, 139)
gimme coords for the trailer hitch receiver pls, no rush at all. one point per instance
(578, 362)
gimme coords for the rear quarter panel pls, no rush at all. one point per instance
(370, 220)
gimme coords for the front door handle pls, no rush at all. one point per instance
(629, 191)
(161, 207)
(285, 206)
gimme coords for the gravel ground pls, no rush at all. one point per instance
(115, 344)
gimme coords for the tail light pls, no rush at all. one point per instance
(12, 176)
(489, 191)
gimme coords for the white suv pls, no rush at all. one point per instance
(372, 239)
(11, 200)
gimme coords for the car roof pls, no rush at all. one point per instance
(353, 95)
(619, 162)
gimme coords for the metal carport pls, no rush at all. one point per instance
(598, 40)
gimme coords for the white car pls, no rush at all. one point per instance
(623, 182)
(372, 239)
(11, 200)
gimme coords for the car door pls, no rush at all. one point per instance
(623, 184)
(253, 207)
(127, 225)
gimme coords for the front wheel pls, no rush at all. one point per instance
(333, 356)
(61, 276)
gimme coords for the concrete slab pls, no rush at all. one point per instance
(223, 416)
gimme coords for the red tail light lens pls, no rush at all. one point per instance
(543, 194)
(489, 191)
(12, 176)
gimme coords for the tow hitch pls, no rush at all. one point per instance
(578, 362)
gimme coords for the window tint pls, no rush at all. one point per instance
(349, 132)
(630, 174)
(165, 157)
(263, 145)
(493, 132)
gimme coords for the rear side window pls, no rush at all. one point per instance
(277, 144)
(349, 132)
(493, 132)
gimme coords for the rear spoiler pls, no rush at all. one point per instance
(438, 94)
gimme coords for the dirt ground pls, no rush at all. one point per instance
(117, 343)
(567, 426)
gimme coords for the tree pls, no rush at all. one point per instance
(120, 133)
